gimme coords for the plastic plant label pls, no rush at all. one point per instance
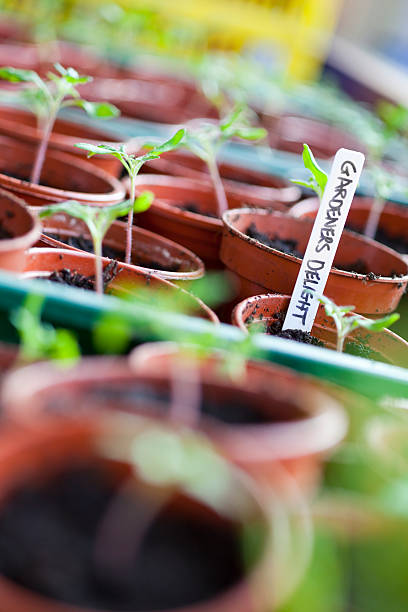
(324, 239)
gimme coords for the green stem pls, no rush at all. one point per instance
(128, 255)
(374, 217)
(222, 203)
(340, 343)
(98, 265)
(42, 149)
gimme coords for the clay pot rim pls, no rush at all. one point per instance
(21, 241)
(22, 186)
(307, 205)
(335, 271)
(143, 272)
(301, 437)
(197, 265)
(328, 416)
(182, 183)
(238, 311)
(93, 427)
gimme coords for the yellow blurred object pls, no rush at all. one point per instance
(299, 29)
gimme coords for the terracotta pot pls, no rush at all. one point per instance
(175, 262)
(291, 434)
(262, 269)
(23, 227)
(197, 232)
(42, 262)
(289, 132)
(298, 421)
(260, 188)
(21, 125)
(33, 455)
(264, 309)
(63, 178)
(393, 221)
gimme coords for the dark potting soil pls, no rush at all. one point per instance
(79, 242)
(48, 533)
(360, 349)
(398, 243)
(4, 233)
(75, 279)
(286, 246)
(133, 396)
(195, 208)
(289, 247)
(274, 328)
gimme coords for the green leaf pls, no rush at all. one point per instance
(98, 110)
(143, 201)
(71, 75)
(16, 75)
(378, 325)
(251, 133)
(70, 207)
(169, 145)
(101, 149)
(234, 115)
(319, 176)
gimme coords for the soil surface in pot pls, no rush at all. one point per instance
(75, 279)
(51, 543)
(80, 242)
(4, 233)
(289, 248)
(398, 243)
(357, 347)
(195, 208)
(231, 408)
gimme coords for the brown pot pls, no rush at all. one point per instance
(23, 227)
(300, 421)
(264, 309)
(172, 261)
(197, 232)
(21, 125)
(289, 132)
(393, 221)
(63, 178)
(32, 455)
(262, 269)
(260, 188)
(42, 262)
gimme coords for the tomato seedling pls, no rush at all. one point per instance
(47, 98)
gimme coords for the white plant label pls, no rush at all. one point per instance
(324, 239)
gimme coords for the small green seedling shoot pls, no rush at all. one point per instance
(394, 121)
(132, 164)
(318, 180)
(346, 323)
(98, 219)
(47, 98)
(40, 340)
(205, 138)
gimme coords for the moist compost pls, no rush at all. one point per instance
(4, 233)
(274, 328)
(289, 248)
(231, 409)
(286, 246)
(85, 244)
(48, 533)
(397, 243)
(196, 209)
(75, 279)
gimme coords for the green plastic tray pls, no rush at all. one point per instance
(81, 310)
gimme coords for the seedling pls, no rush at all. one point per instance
(42, 341)
(346, 323)
(205, 138)
(318, 180)
(47, 98)
(98, 220)
(132, 165)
